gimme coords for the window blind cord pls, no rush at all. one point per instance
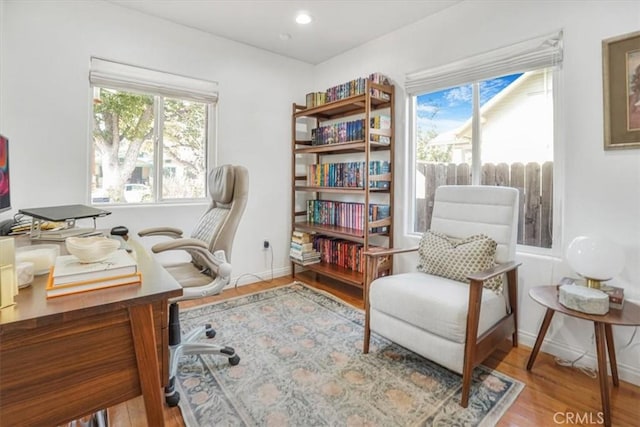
(235, 286)
(588, 371)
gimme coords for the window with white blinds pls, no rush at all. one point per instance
(489, 120)
(152, 134)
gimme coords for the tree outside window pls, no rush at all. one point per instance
(147, 148)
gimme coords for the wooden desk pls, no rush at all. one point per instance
(66, 357)
(628, 316)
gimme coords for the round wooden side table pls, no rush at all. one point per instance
(629, 315)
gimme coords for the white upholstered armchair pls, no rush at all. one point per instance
(448, 311)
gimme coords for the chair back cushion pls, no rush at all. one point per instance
(228, 188)
(220, 182)
(455, 259)
(461, 211)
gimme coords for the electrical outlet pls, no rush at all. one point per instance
(265, 244)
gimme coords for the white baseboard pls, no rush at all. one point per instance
(266, 276)
(626, 372)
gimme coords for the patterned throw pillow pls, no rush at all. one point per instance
(454, 259)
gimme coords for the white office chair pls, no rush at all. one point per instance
(209, 270)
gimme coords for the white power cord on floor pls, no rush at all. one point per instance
(588, 371)
(235, 286)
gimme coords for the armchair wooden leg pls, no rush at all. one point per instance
(473, 317)
(371, 268)
(367, 330)
(512, 287)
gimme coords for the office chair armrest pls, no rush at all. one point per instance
(161, 231)
(180, 244)
(215, 262)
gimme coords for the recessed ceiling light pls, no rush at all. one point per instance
(303, 18)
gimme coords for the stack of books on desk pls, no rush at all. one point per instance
(301, 250)
(70, 276)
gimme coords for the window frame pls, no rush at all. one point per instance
(160, 85)
(487, 60)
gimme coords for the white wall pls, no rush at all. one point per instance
(45, 104)
(599, 191)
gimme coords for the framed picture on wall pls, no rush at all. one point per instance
(621, 89)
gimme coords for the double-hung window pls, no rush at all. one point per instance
(489, 120)
(152, 134)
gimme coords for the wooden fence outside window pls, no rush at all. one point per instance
(534, 181)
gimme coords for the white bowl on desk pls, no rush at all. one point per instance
(91, 249)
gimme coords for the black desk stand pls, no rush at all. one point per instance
(68, 214)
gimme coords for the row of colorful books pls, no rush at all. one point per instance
(69, 276)
(347, 174)
(352, 130)
(346, 214)
(348, 89)
(340, 252)
(338, 133)
(301, 249)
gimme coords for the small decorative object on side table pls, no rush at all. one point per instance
(629, 315)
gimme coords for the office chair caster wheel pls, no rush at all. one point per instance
(211, 333)
(171, 396)
(233, 361)
(173, 400)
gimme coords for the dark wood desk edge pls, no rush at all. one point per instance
(158, 285)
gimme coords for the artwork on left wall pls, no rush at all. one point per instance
(621, 91)
(5, 194)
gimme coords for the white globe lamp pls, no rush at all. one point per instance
(595, 258)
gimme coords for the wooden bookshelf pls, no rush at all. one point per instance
(377, 100)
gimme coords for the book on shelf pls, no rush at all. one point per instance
(90, 285)
(345, 90)
(301, 250)
(68, 269)
(301, 237)
(616, 296)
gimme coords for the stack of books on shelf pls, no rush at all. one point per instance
(380, 79)
(616, 296)
(70, 276)
(381, 122)
(345, 214)
(343, 253)
(302, 251)
(348, 89)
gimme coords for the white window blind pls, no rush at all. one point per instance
(540, 52)
(116, 75)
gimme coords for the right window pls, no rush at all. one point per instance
(494, 131)
(489, 120)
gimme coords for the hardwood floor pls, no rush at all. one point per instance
(553, 394)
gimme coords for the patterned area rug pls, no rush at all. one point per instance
(302, 365)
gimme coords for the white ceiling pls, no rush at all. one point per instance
(337, 26)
